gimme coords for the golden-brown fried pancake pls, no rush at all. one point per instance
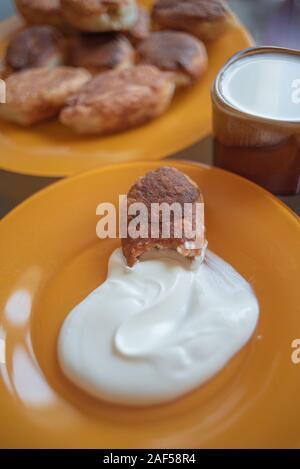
(206, 19)
(177, 52)
(37, 46)
(41, 11)
(166, 185)
(118, 100)
(100, 15)
(39, 93)
(141, 28)
(101, 52)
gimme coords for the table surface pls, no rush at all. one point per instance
(271, 22)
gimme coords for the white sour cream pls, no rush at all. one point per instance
(153, 333)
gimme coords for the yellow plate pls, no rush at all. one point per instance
(51, 259)
(50, 149)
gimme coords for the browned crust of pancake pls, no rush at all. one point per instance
(100, 52)
(209, 10)
(118, 100)
(38, 94)
(47, 6)
(174, 51)
(168, 185)
(40, 81)
(41, 11)
(93, 7)
(100, 15)
(206, 19)
(141, 28)
(37, 46)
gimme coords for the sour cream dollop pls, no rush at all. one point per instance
(153, 333)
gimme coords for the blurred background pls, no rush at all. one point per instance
(270, 22)
(275, 22)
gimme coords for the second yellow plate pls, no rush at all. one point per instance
(49, 149)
